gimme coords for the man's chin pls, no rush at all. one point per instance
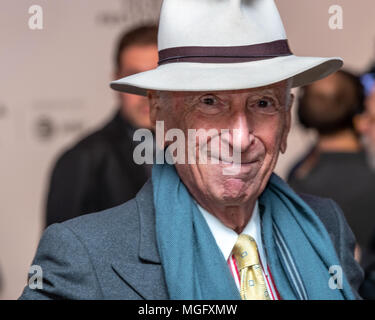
(233, 200)
(233, 192)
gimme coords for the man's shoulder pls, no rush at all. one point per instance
(105, 228)
(115, 225)
(316, 202)
(332, 217)
(325, 208)
(78, 256)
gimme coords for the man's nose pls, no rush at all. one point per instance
(241, 132)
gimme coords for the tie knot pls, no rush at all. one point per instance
(246, 252)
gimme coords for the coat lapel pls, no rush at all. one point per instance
(145, 275)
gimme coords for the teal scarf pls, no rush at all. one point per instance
(298, 247)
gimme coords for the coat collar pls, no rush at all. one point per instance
(146, 275)
(148, 250)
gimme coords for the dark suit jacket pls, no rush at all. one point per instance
(330, 177)
(113, 254)
(96, 174)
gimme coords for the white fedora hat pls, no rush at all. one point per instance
(212, 45)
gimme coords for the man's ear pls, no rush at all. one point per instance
(153, 100)
(288, 123)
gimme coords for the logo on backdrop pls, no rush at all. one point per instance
(56, 118)
(45, 128)
(127, 10)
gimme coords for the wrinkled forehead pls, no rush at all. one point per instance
(280, 90)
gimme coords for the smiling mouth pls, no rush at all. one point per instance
(231, 162)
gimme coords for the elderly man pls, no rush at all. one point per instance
(196, 230)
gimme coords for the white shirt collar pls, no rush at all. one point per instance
(226, 238)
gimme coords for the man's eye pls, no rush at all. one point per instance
(264, 103)
(210, 104)
(209, 100)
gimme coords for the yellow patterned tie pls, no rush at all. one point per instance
(253, 286)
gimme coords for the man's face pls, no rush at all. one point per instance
(262, 118)
(135, 59)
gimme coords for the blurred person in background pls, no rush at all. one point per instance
(366, 122)
(366, 126)
(336, 167)
(99, 172)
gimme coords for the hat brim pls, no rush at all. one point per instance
(192, 76)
